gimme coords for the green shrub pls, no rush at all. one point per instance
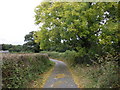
(68, 56)
(53, 54)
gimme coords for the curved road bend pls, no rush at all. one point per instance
(60, 77)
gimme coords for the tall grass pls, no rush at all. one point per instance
(98, 76)
(20, 69)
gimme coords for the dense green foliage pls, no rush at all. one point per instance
(91, 29)
(20, 69)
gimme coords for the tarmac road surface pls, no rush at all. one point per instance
(60, 77)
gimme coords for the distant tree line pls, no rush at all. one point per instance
(28, 46)
(12, 48)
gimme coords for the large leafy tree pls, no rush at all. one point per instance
(88, 28)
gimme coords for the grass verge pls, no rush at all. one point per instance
(40, 82)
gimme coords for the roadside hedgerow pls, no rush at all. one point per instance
(19, 69)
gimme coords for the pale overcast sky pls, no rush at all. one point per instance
(16, 20)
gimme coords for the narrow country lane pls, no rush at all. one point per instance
(60, 77)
